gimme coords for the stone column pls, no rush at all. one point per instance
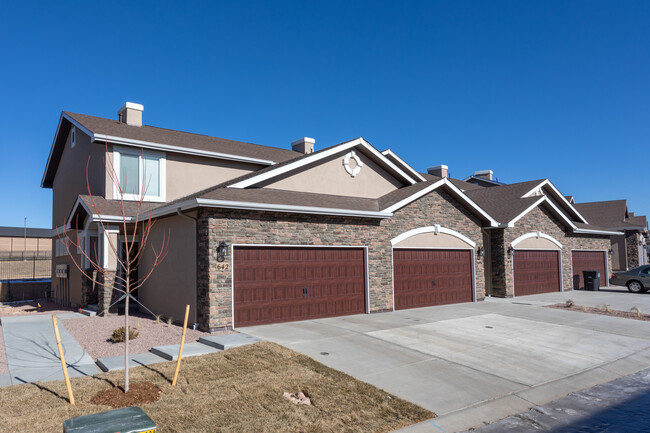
(632, 248)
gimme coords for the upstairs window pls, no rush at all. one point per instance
(139, 173)
(73, 136)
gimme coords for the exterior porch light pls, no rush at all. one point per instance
(222, 251)
(511, 251)
(480, 252)
(610, 252)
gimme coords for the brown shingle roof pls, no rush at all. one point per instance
(100, 125)
(103, 206)
(504, 202)
(610, 214)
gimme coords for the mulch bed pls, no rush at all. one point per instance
(139, 393)
(603, 311)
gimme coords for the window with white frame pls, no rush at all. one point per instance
(139, 172)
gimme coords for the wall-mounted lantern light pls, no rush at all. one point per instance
(480, 252)
(640, 243)
(511, 251)
(222, 251)
(610, 252)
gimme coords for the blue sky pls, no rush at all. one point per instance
(528, 89)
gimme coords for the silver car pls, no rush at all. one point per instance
(637, 280)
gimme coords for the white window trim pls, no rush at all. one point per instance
(118, 151)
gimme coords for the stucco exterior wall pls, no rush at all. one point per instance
(70, 179)
(172, 285)
(18, 246)
(330, 177)
(539, 219)
(214, 286)
(619, 258)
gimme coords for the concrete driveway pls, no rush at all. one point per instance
(478, 362)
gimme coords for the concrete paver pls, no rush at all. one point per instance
(228, 341)
(32, 353)
(170, 352)
(478, 362)
(114, 363)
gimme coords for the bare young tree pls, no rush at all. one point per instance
(135, 228)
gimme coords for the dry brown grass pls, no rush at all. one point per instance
(239, 390)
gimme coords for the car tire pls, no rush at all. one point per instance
(635, 287)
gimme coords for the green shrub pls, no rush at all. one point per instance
(119, 335)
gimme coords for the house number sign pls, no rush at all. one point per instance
(223, 266)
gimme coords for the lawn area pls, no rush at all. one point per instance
(238, 390)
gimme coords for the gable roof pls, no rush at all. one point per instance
(612, 214)
(112, 131)
(408, 176)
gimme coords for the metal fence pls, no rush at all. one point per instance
(25, 268)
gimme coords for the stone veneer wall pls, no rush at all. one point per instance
(632, 239)
(214, 286)
(539, 219)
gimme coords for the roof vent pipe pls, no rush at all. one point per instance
(439, 170)
(304, 145)
(131, 114)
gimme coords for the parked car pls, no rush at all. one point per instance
(637, 280)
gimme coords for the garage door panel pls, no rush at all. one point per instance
(269, 283)
(588, 261)
(536, 272)
(431, 277)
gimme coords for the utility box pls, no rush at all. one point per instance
(592, 280)
(125, 420)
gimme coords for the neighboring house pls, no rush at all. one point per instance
(25, 242)
(542, 244)
(262, 235)
(629, 247)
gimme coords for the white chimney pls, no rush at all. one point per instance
(131, 114)
(438, 170)
(485, 174)
(304, 145)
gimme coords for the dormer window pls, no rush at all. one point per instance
(73, 136)
(140, 172)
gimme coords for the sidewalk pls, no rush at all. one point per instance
(32, 353)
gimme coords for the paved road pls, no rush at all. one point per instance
(617, 406)
(32, 353)
(478, 362)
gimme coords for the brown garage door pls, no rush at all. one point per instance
(431, 277)
(282, 284)
(536, 272)
(588, 261)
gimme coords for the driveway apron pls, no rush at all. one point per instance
(32, 353)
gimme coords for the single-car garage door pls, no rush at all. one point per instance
(426, 277)
(282, 284)
(536, 272)
(588, 261)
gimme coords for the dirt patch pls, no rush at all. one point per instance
(237, 390)
(139, 393)
(603, 310)
(32, 307)
(94, 334)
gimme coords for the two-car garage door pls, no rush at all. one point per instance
(281, 284)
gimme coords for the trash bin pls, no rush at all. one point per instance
(576, 282)
(592, 280)
(125, 420)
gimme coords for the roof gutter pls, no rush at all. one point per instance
(596, 232)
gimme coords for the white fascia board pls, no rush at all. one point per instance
(390, 154)
(177, 149)
(596, 232)
(561, 214)
(559, 196)
(469, 201)
(512, 222)
(49, 158)
(464, 198)
(317, 157)
(227, 204)
(112, 218)
(400, 204)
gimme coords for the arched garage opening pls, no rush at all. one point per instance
(537, 264)
(432, 266)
